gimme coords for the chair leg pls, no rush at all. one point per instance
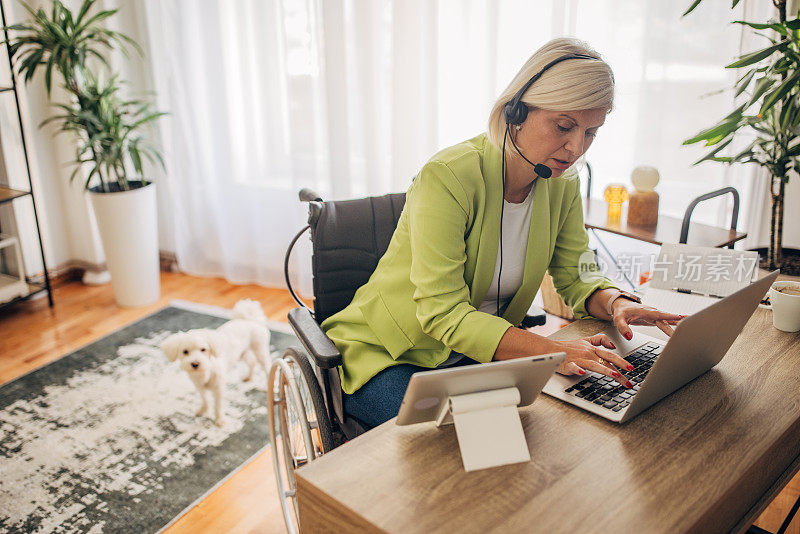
(788, 520)
(613, 259)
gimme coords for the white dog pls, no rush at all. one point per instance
(206, 355)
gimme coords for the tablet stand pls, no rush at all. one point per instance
(488, 428)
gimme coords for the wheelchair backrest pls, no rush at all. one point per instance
(348, 238)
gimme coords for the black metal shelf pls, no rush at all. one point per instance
(33, 289)
(8, 194)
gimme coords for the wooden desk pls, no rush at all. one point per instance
(668, 229)
(707, 458)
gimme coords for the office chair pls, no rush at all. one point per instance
(305, 404)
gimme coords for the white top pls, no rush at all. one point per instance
(516, 226)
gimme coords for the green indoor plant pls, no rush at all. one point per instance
(106, 125)
(107, 130)
(770, 112)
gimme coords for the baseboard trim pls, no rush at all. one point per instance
(65, 273)
(73, 270)
(168, 261)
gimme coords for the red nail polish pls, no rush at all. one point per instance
(615, 374)
(613, 346)
(629, 385)
(630, 367)
(628, 336)
(581, 371)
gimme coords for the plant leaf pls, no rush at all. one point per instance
(714, 152)
(782, 90)
(762, 86)
(788, 110)
(780, 28)
(691, 7)
(755, 57)
(744, 82)
(722, 129)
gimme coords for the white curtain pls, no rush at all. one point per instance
(351, 97)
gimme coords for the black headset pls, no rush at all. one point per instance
(515, 112)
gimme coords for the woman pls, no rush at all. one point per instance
(455, 279)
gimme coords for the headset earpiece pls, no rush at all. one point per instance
(515, 112)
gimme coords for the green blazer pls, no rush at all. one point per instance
(420, 303)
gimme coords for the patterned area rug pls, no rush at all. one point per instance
(105, 439)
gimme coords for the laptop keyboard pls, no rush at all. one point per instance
(607, 392)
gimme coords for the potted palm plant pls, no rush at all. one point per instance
(770, 113)
(108, 130)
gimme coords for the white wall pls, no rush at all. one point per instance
(68, 226)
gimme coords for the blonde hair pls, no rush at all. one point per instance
(572, 85)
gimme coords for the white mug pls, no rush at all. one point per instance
(785, 307)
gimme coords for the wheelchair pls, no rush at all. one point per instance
(305, 402)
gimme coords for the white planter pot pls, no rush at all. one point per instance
(129, 232)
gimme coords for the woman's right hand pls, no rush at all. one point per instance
(589, 354)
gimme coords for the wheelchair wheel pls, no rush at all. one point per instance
(299, 427)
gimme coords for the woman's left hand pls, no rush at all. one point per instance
(626, 312)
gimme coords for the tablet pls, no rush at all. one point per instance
(428, 391)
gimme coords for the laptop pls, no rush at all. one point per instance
(698, 344)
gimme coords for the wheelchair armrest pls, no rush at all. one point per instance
(318, 345)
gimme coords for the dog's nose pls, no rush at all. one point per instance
(195, 365)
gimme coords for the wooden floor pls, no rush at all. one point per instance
(33, 335)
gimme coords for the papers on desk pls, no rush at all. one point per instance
(673, 302)
(687, 278)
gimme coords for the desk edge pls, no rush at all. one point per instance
(768, 496)
(314, 496)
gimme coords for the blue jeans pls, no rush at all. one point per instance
(379, 400)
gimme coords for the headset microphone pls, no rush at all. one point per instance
(543, 171)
